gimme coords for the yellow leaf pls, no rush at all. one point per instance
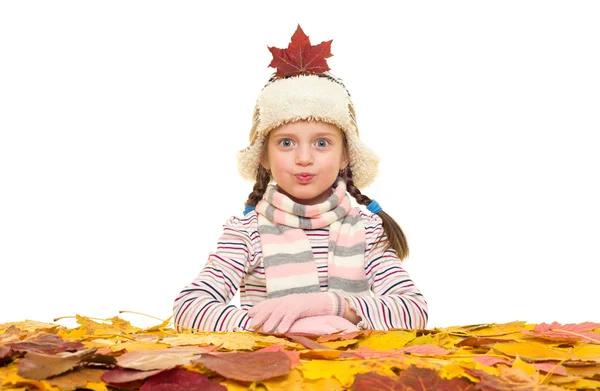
(14, 379)
(290, 382)
(428, 339)
(584, 384)
(95, 386)
(498, 329)
(228, 341)
(522, 365)
(329, 384)
(137, 345)
(344, 371)
(29, 325)
(586, 352)
(531, 351)
(340, 344)
(232, 385)
(390, 340)
(160, 327)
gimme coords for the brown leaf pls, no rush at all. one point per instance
(366, 352)
(180, 380)
(477, 342)
(510, 379)
(77, 379)
(411, 379)
(6, 355)
(306, 342)
(39, 366)
(46, 343)
(252, 366)
(146, 360)
(338, 336)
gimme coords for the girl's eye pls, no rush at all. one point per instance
(286, 142)
(322, 143)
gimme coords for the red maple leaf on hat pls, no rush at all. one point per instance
(301, 57)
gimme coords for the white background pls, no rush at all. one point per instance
(120, 120)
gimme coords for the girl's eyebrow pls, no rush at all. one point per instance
(329, 134)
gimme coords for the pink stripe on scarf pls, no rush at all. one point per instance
(285, 238)
(312, 210)
(292, 269)
(348, 273)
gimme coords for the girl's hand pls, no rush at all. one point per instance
(277, 315)
(322, 325)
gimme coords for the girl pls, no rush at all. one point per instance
(304, 259)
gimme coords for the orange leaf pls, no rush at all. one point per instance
(250, 366)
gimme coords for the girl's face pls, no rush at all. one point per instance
(305, 158)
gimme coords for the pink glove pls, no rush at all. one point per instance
(322, 325)
(277, 315)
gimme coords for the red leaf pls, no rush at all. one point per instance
(293, 355)
(551, 367)
(568, 332)
(252, 366)
(180, 380)
(127, 378)
(373, 381)
(301, 57)
(411, 379)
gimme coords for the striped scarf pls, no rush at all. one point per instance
(287, 254)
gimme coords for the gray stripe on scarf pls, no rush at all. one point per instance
(333, 201)
(348, 285)
(299, 209)
(282, 259)
(344, 251)
(274, 230)
(301, 289)
(340, 213)
(305, 222)
(269, 195)
(352, 220)
(270, 212)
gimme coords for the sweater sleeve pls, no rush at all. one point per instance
(204, 304)
(396, 301)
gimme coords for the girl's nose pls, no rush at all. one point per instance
(304, 156)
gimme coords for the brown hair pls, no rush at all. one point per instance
(395, 237)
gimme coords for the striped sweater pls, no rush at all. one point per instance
(237, 264)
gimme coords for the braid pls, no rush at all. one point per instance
(396, 238)
(262, 181)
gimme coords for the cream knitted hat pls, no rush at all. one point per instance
(304, 89)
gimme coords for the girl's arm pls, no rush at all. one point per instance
(397, 302)
(204, 303)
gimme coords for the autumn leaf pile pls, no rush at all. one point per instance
(112, 354)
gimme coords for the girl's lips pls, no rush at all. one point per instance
(304, 178)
